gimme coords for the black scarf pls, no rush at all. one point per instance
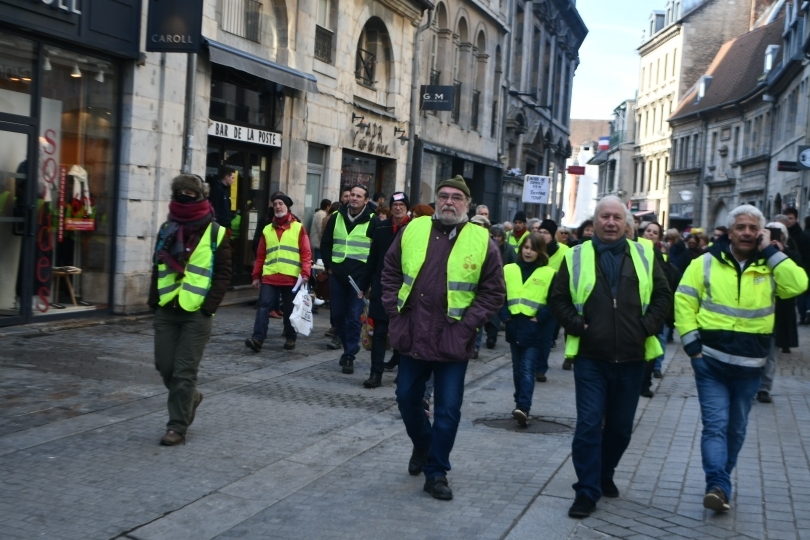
(610, 259)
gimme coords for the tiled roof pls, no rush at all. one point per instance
(735, 71)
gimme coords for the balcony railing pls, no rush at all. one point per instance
(476, 97)
(617, 138)
(455, 114)
(434, 77)
(364, 67)
(243, 18)
(323, 44)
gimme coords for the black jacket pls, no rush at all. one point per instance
(802, 242)
(349, 267)
(616, 330)
(220, 198)
(382, 238)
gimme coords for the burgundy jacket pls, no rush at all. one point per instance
(423, 330)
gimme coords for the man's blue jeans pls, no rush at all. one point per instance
(662, 338)
(346, 312)
(448, 395)
(609, 391)
(524, 364)
(725, 393)
(268, 301)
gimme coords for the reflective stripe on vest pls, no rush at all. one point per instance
(193, 288)
(463, 266)
(354, 245)
(282, 256)
(581, 261)
(529, 297)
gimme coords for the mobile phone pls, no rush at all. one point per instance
(776, 233)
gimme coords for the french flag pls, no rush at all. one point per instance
(604, 143)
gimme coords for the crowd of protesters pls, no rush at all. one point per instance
(438, 280)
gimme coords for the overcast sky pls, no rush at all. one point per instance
(608, 69)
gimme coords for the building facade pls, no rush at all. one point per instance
(616, 165)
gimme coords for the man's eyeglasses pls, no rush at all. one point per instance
(444, 197)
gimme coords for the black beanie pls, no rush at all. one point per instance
(286, 200)
(520, 215)
(550, 226)
(399, 196)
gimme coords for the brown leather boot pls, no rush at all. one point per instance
(172, 438)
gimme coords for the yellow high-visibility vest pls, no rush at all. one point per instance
(581, 261)
(193, 288)
(527, 297)
(463, 266)
(355, 245)
(556, 260)
(515, 242)
(282, 256)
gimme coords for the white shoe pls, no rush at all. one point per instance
(318, 302)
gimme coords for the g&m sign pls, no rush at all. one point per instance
(245, 134)
(437, 98)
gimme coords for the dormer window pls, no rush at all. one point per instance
(770, 57)
(703, 87)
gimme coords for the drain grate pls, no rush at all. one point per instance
(536, 425)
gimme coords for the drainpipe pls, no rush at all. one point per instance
(412, 174)
(188, 132)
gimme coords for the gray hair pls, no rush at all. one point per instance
(481, 207)
(614, 199)
(745, 210)
(497, 230)
(781, 218)
(531, 223)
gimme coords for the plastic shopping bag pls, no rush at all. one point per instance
(301, 318)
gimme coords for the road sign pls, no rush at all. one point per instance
(576, 169)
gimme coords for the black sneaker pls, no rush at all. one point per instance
(490, 344)
(521, 417)
(657, 373)
(253, 344)
(330, 332)
(348, 366)
(438, 488)
(289, 344)
(392, 364)
(374, 381)
(568, 364)
(582, 507)
(335, 344)
(764, 397)
(417, 461)
(647, 393)
(609, 488)
(716, 500)
(540, 377)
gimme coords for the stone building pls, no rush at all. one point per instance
(721, 135)
(680, 43)
(616, 166)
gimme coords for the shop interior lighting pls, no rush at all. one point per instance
(76, 73)
(25, 75)
(46, 66)
(362, 124)
(100, 76)
(12, 75)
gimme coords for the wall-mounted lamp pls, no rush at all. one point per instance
(362, 124)
(402, 135)
(76, 73)
(46, 65)
(100, 76)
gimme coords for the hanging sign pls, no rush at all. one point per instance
(174, 26)
(437, 98)
(536, 189)
(245, 134)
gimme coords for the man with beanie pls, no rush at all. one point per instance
(345, 249)
(384, 235)
(611, 296)
(191, 271)
(554, 250)
(519, 229)
(441, 281)
(220, 197)
(282, 256)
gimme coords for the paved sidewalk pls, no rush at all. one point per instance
(286, 446)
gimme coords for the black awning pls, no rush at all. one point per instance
(226, 55)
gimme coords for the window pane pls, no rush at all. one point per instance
(17, 58)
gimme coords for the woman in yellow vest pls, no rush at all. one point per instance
(190, 275)
(528, 319)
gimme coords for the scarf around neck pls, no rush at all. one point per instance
(182, 232)
(610, 259)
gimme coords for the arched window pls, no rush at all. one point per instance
(479, 80)
(325, 24)
(496, 92)
(460, 68)
(373, 55)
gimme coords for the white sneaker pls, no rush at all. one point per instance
(318, 302)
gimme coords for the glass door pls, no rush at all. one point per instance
(17, 213)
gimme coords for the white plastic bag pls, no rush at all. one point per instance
(301, 318)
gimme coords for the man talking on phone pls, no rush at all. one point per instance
(724, 312)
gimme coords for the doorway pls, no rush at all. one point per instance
(249, 198)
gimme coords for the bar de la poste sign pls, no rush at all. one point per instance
(536, 189)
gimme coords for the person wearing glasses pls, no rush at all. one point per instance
(441, 281)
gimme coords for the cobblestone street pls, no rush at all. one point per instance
(286, 446)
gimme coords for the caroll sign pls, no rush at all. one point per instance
(174, 26)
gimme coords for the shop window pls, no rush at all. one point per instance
(16, 73)
(75, 198)
(244, 98)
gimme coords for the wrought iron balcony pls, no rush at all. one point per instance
(323, 44)
(365, 66)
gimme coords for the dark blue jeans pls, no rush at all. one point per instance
(725, 393)
(545, 350)
(268, 301)
(609, 391)
(524, 364)
(448, 394)
(346, 312)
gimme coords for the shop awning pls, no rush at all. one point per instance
(226, 55)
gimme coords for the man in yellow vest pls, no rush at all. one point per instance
(519, 230)
(345, 248)
(724, 312)
(611, 296)
(441, 281)
(282, 256)
(190, 275)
